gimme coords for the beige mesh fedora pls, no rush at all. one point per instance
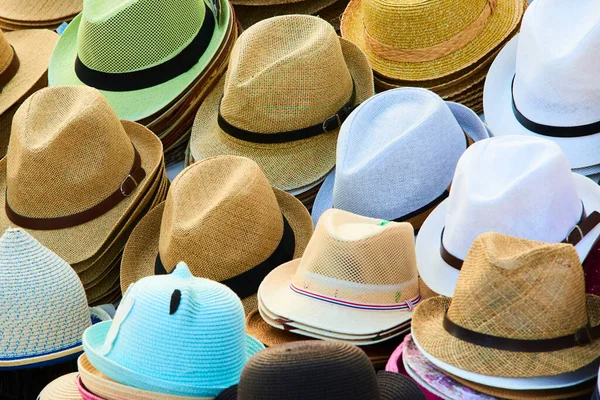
(74, 170)
(519, 310)
(225, 221)
(291, 82)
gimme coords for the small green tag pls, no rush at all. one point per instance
(382, 223)
(398, 294)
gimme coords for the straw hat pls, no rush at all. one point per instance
(62, 388)
(317, 370)
(138, 52)
(555, 90)
(38, 330)
(516, 185)
(84, 392)
(283, 107)
(357, 276)
(504, 319)
(101, 183)
(32, 11)
(250, 14)
(174, 334)
(428, 39)
(225, 221)
(400, 167)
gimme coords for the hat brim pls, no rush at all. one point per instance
(136, 104)
(93, 340)
(441, 277)
(466, 118)
(62, 388)
(497, 104)
(248, 13)
(142, 247)
(287, 165)
(500, 368)
(17, 11)
(33, 48)
(500, 25)
(83, 241)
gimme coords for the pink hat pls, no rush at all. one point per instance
(85, 393)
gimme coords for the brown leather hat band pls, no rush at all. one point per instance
(10, 71)
(128, 185)
(582, 337)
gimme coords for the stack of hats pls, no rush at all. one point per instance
(33, 14)
(446, 46)
(282, 105)
(24, 58)
(153, 65)
(78, 179)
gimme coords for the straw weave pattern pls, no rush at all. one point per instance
(6, 53)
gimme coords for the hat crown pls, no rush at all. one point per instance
(410, 137)
(285, 73)
(394, 22)
(130, 35)
(534, 278)
(555, 81)
(221, 217)
(359, 259)
(6, 53)
(68, 152)
(509, 185)
(178, 336)
(307, 370)
(44, 308)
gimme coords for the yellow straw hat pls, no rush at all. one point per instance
(519, 310)
(224, 220)
(290, 84)
(428, 39)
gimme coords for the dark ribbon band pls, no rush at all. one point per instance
(161, 73)
(426, 207)
(247, 283)
(582, 337)
(549, 130)
(128, 185)
(585, 225)
(10, 71)
(331, 123)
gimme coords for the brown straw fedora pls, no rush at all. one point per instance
(290, 84)
(428, 39)
(519, 310)
(249, 15)
(224, 220)
(74, 170)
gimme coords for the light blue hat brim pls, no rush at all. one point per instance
(93, 340)
(466, 118)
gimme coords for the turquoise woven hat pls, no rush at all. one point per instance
(174, 334)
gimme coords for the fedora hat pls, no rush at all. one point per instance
(317, 370)
(248, 14)
(104, 166)
(358, 276)
(32, 12)
(174, 334)
(224, 219)
(408, 140)
(44, 308)
(516, 185)
(283, 107)
(543, 83)
(62, 388)
(504, 319)
(423, 41)
(139, 53)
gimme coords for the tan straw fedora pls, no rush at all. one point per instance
(225, 221)
(74, 170)
(34, 11)
(423, 40)
(62, 388)
(519, 310)
(250, 14)
(291, 82)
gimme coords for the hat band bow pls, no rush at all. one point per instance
(10, 71)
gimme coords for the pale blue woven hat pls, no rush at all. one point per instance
(174, 334)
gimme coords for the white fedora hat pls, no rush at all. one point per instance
(556, 94)
(517, 185)
(396, 155)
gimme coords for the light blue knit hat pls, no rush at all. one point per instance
(174, 334)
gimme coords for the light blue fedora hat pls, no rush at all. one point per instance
(396, 155)
(174, 334)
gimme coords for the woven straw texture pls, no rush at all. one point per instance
(39, 11)
(33, 278)
(249, 15)
(512, 288)
(285, 73)
(71, 123)
(63, 388)
(406, 26)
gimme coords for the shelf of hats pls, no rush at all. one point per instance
(299, 199)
